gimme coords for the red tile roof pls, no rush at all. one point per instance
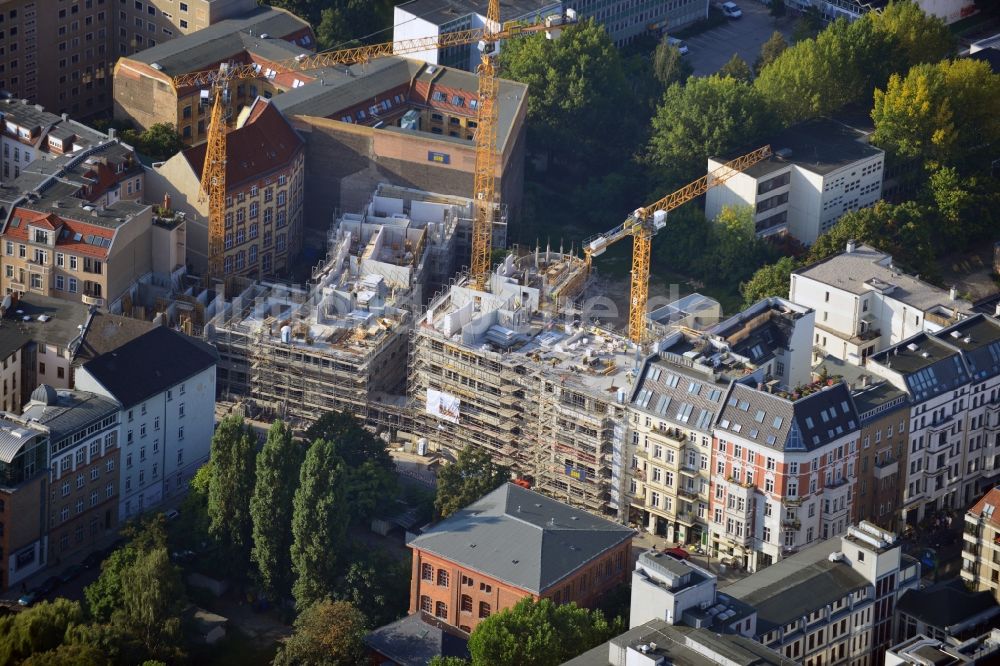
(264, 143)
(992, 516)
(67, 240)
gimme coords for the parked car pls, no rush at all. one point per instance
(731, 10)
(48, 585)
(94, 559)
(677, 553)
(679, 44)
(171, 514)
(70, 573)
(28, 597)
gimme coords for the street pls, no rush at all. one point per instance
(710, 50)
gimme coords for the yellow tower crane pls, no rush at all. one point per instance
(643, 224)
(213, 175)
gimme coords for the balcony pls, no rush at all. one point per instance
(886, 468)
(792, 501)
(791, 523)
(97, 301)
(675, 435)
(688, 493)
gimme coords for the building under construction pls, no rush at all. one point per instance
(341, 343)
(515, 371)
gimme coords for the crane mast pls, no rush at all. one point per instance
(643, 224)
(484, 183)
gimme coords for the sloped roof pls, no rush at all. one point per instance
(416, 639)
(106, 332)
(978, 338)
(681, 396)
(76, 237)
(150, 364)
(522, 538)
(946, 604)
(68, 412)
(986, 508)
(265, 142)
(804, 424)
(929, 366)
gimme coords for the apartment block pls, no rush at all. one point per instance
(142, 24)
(981, 545)
(419, 119)
(144, 93)
(883, 411)
(501, 370)
(14, 343)
(820, 169)
(924, 651)
(831, 603)
(864, 303)
(265, 175)
(679, 395)
(623, 21)
(785, 468)
(164, 383)
(83, 479)
(512, 544)
(24, 462)
(952, 380)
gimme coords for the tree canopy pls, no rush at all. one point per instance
(471, 476)
(669, 66)
(159, 142)
(538, 633)
(770, 50)
(769, 280)
(737, 68)
(327, 633)
(230, 489)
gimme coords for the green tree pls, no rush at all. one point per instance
(735, 252)
(808, 25)
(770, 280)
(669, 66)
(193, 522)
(778, 8)
(708, 117)
(159, 142)
(104, 595)
(378, 586)
(737, 68)
(438, 660)
(334, 29)
(538, 633)
(230, 489)
(945, 114)
(38, 629)
(577, 83)
(151, 603)
(770, 50)
(370, 473)
(69, 655)
(278, 466)
(917, 37)
(319, 522)
(472, 475)
(327, 633)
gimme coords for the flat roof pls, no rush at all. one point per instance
(978, 337)
(61, 321)
(440, 12)
(65, 411)
(928, 366)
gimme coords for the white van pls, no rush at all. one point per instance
(731, 10)
(680, 44)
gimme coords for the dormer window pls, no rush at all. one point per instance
(41, 236)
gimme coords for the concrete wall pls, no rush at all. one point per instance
(176, 178)
(130, 256)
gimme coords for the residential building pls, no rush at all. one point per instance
(493, 369)
(676, 400)
(680, 592)
(883, 411)
(945, 611)
(981, 545)
(145, 23)
(420, 121)
(24, 463)
(415, 640)
(265, 172)
(62, 55)
(819, 170)
(83, 428)
(947, 10)
(694, 311)
(657, 643)
(864, 303)
(937, 384)
(784, 470)
(164, 382)
(14, 344)
(144, 93)
(832, 602)
(923, 651)
(512, 544)
(623, 21)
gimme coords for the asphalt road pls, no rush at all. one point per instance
(710, 50)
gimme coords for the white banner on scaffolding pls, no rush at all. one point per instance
(443, 405)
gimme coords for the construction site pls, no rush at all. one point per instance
(514, 370)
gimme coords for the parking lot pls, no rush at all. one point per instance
(710, 50)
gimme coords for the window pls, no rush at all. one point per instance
(484, 609)
(441, 610)
(180, 434)
(466, 603)
(442, 578)
(425, 603)
(426, 572)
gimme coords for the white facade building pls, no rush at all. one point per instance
(820, 170)
(864, 304)
(165, 383)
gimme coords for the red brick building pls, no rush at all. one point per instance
(511, 544)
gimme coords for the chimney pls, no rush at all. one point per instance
(112, 132)
(953, 293)
(166, 201)
(65, 117)
(851, 245)
(996, 313)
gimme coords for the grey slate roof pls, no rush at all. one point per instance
(522, 538)
(106, 332)
(416, 639)
(72, 411)
(978, 337)
(947, 604)
(851, 272)
(941, 370)
(219, 41)
(682, 396)
(804, 424)
(796, 586)
(150, 364)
